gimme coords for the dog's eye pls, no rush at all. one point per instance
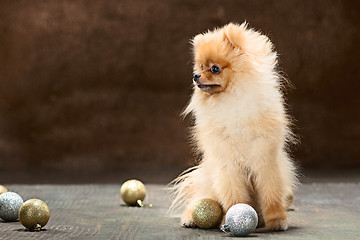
(202, 67)
(215, 69)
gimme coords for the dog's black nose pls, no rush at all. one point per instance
(196, 77)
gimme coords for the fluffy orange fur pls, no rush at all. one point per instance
(241, 128)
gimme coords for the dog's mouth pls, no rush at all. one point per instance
(207, 86)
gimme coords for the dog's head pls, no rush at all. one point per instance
(222, 54)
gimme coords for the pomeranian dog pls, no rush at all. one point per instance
(241, 128)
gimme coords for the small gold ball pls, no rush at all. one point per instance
(34, 214)
(132, 191)
(3, 189)
(207, 213)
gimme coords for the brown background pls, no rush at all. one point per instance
(94, 89)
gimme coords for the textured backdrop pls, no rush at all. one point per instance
(97, 86)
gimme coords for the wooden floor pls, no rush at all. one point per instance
(321, 211)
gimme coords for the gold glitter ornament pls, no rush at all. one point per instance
(132, 191)
(207, 213)
(34, 214)
(3, 189)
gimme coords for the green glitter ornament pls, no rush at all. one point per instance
(207, 213)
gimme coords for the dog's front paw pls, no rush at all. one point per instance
(275, 218)
(186, 219)
(277, 224)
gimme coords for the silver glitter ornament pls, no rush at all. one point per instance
(10, 204)
(240, 220)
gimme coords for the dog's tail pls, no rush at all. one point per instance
(181, 188)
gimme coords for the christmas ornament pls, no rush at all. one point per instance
(3, 189)
(34, 214)
(206, 213)
(133, 192)
(10, 204)
(240, 220)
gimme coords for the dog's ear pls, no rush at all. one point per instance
(234, 35)
(196, 41)
(247, 40)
